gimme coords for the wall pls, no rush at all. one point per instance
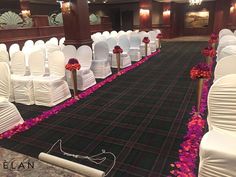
(178, 15)
(157, 13)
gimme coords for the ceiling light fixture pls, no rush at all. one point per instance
(195, 2)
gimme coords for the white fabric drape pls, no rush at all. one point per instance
(100, 64)
(225, 66)
(218, 146)
(9, 115)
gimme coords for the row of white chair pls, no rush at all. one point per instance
(39, 88)
(217, 148)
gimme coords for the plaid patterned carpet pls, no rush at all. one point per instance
(140, 117)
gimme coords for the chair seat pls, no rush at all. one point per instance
(218, 155)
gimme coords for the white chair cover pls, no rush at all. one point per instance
(14, 48)
(54, 41)
(227, 51)
(154, 42)
(50, 48)
(100, 64)
(225, 41)
(36, 64)
(120, 33)
(29, 43)
(18, 66)
(23, 85)
(9, 115)
(69, 52)
(4, 57)
(39, 43)
(106, 34)
(135, 43)
(225, 66)
(3, 47)
(112, 42)
(52, 90)
(217, 148)
(5, 81)
(224, 32)
(114, 34)
(125, 60)
(142, 46)
(85, 77)
(61, 41)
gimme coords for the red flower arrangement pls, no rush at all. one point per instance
(199, 71)
(209, 52)
(159, 36)
(117, 49)
(73, 64)
(214, 38)
(146, 40)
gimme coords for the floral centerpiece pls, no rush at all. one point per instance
(118, 50)
(73, 65)
(213, 40)
(201, 71)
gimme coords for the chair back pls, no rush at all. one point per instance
(225, 41)
(29, 43)
(101, 51)
(106, 34)
(14, 48)
(225, 66)
(222, 105)
(18, 63)
(224, 32)
(50, 48)
(227, 51)
(56, 64)
(39, 43)
(37, 63)
(84, 55)
(54, 41)
(61, 41)
(3, 47)
(5, 80)
(114, 34)
(124, 43)
(135, 40)
(152, 35)
(4, 57)
(69, 52)
(112, 42)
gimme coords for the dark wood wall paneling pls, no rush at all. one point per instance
(179, 11)
(13, 5)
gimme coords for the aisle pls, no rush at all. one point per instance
(140, 117)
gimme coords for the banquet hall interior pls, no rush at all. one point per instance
(118, 88)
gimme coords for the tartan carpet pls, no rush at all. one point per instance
(141, 117)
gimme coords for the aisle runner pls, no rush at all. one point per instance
(55, 110)
(189, 150)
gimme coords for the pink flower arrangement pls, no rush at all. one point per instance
(159, 36)
(213, 39)
(209, 52)
(146, 40)
(73, 64)
(117, 49)
(55, 110)
(201, 70)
